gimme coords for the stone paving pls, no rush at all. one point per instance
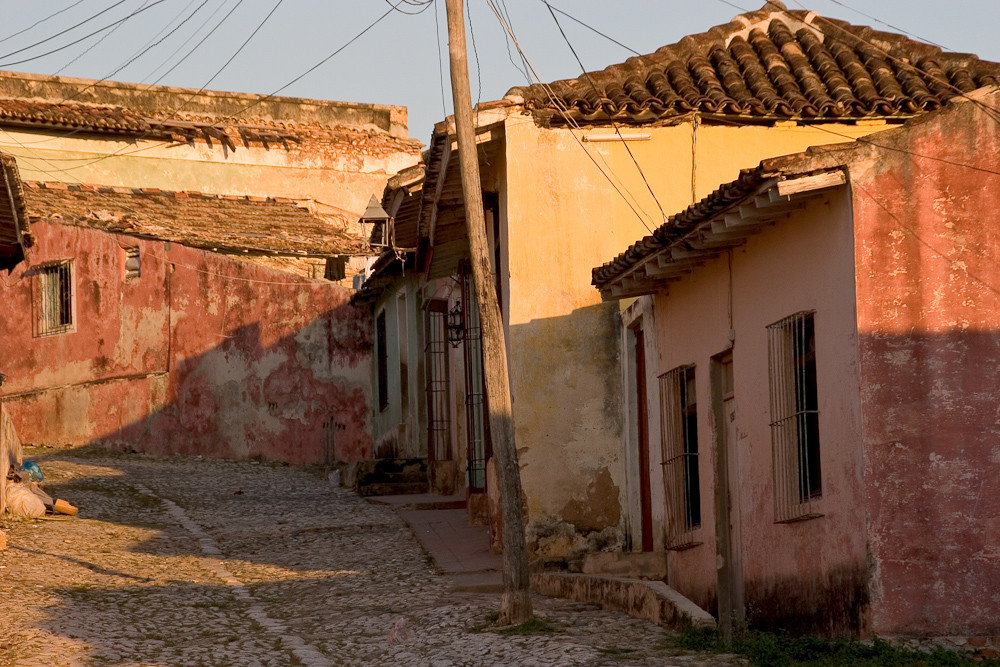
(190, 562)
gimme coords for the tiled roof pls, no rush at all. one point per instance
(676, 226)
(224, 223)
(13, 225)
(75, 116)
(773, 63)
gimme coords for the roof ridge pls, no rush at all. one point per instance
(301, 203)
(769, 64)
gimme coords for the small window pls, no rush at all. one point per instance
(133, 265)
(679, 419)
(382, 361)
(55, 298)
(794, 417)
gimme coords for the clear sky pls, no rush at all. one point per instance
(397, 61)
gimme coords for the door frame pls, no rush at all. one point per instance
(729, 573)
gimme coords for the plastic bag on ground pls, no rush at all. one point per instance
(23, 503)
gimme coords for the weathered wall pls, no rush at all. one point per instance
(805, 575)
(563, 218)
(345, 151)
(928, 256)
(202, 354)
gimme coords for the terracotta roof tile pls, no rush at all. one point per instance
(75, 116)
(228, 223)
(773, 63)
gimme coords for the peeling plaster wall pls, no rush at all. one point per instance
(563, 218)
(928, 256)
(203, 354)
(347, 151)
(806, 575)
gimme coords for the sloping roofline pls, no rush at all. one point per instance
(13, 220)
(766, 65)
(762, 193)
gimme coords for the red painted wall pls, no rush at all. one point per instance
(928, 274)
(203, 354)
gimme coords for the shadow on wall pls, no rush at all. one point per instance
(568, 415)
(303, 398)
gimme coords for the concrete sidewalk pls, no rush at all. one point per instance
(460, 551)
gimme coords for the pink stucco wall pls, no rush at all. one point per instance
(203, 354)
(928, 256)
(807, 574)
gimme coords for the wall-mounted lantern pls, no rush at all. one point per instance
(380, 236)
(455, 329)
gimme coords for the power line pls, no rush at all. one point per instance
(437, 31)
(601, 95)
(144, 50)
(73, 43)
(95, 44)
(592, 28)
(62, 32)
(218, 25)
(555, 101)
(872, 18)
(119, 153)
(40, 21)
(231, 116)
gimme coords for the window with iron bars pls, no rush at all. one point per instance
(55, 298)
(679, 424)
(794, 417)
(382, 361)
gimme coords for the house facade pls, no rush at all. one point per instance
(140, 320)
(828, 329)
(571, 171)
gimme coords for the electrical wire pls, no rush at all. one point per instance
(563, 111)
(602, 96)
(437, 32)
(40, 21)
(592, 28)
(120, 152)
(73, 43)
(62, 32)
(475, 52)
(188, 41)
(94, 45)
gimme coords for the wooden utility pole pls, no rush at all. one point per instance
(515, 605)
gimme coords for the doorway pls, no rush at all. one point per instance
(727, 520)
(642, 438)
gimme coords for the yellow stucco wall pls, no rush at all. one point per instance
(563, 218)
(334, 175)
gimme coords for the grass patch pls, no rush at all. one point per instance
(619, 652)
(535, 626)
(765, 649)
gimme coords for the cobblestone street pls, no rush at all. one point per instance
(202, 562)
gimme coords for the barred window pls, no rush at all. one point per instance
(55, 298)
(382, 361)
(679, 420)
(794, 417)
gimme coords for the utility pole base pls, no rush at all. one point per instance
(515, 608)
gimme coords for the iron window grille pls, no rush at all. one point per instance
(794, 417)
(438, 385)
(480, 445)
(382, 361)
(55, 298)
(679, 449)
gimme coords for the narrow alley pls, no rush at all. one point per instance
(189, 561)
